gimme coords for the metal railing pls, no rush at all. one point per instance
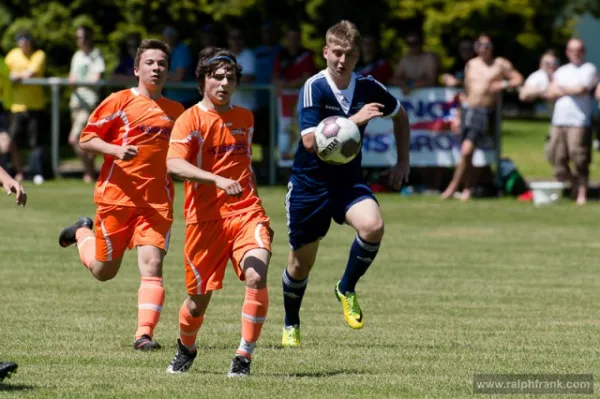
(56, 84)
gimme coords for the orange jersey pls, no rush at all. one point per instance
(129, 118)
(220, 144)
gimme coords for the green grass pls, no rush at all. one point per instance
(523, 142)
(492, 286)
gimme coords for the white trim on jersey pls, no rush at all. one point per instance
(372, 79)
(137, 93)
(394, 112)
(343, 96)
(308, 130)
(203, 108)
(307, 99)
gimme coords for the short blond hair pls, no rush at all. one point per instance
(343, 33)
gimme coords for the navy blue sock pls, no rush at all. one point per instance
(362, 254)
(293, 292)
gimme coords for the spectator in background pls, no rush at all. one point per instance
(570, 135)
(124, 71)
(418, 68)
(536, 87)
(87, 66)
(27, 106)
(5, 96)
(485, 77)
(372, 62)
(293, 66)
(208, 37)
(245, 57)
(181, 68)
(456, 75)
(205, 36)
(265, 61)
(294, 63)
(266, 53)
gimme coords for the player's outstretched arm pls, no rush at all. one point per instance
(184, 170)
(99, 146)
(11, 186)
(399, 172)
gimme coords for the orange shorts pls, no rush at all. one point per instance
(209, 245)
(122, 227)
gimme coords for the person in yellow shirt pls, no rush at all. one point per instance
(28, 104)
(5, 96)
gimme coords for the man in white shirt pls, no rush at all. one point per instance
(570, 136)
(536, 87)
(87, 65)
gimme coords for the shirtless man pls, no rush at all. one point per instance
(418, 68)
(485, 77)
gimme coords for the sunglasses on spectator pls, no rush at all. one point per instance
(25, 37)
(483, 45)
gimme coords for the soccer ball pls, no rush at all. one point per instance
(337, 140)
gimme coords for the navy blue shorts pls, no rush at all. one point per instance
(310, 210)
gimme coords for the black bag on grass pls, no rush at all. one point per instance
(511, 179)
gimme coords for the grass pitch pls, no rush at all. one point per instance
(494, 286)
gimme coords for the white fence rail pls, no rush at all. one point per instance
(56, 84)
(278, 121)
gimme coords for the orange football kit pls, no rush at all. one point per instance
(134, 198)
(218, 227)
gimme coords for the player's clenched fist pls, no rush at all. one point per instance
(231, 187)
(127, 152)
(366, 113)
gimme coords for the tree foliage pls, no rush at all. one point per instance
(522, 29)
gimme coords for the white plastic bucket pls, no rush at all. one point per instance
(546, 192)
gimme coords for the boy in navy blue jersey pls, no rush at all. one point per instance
(318, 191)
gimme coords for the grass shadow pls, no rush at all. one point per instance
(315, 374)
(307, 374)
(4, 387)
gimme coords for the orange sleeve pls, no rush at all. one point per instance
(250, 122)
(105, 121)
(183, 138)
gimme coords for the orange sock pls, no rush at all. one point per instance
(151, 297)
(189, 327)
(86, 245)
(254, 313)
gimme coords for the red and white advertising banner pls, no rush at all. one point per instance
(432, 143)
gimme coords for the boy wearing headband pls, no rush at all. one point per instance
(211, 149)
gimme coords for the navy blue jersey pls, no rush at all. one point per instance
(319, 98)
